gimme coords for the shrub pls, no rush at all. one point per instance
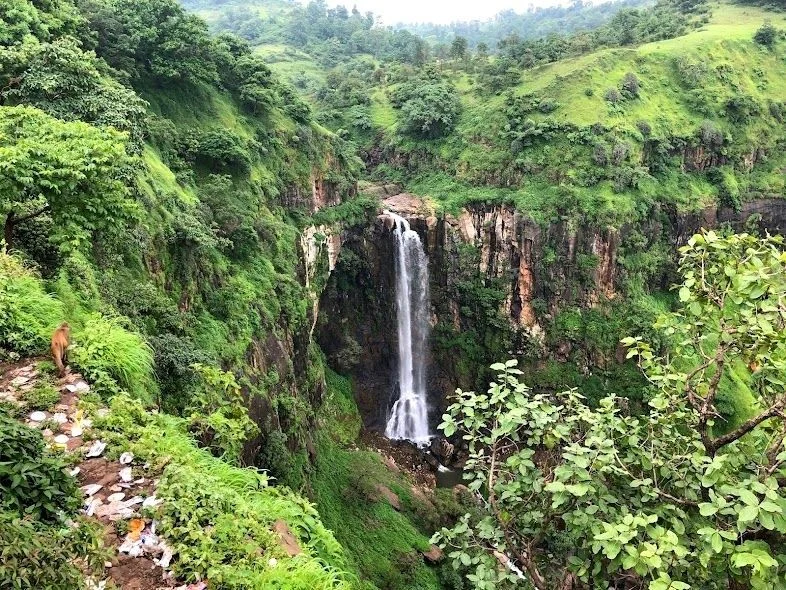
(219, 417)
(217, 150)
(630, 85)
(766, 35)
(174, 358)
(613, 96)
(104, 350)
(644, 128)
(32, 481)
(429, 109)
(36, 556)
(548, 105)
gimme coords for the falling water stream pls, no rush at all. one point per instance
(409, 416)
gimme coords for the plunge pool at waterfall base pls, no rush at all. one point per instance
(449, 478)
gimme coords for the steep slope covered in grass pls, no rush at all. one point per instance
(689, 122)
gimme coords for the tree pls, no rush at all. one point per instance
(766, 35)
(150, 39)
(630, 85)
(74, 172)
(458, 48)
(429, 107)
(68, 83)
(682, 496)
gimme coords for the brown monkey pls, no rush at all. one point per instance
(60, 347)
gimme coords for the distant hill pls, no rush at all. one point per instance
(531, 24)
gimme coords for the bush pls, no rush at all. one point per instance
(630, 85)
(32, 481)
(105, 351)
(644, 128)
(219, 417)
(766, 35)
(36, 556)
(174, 358)
(429, 109)
(613, 96)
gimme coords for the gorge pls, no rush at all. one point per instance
(353, 308)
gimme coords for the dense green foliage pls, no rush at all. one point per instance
(32, 481)
(164, 190)
(672, 497)
(37, 556)
(219, 517)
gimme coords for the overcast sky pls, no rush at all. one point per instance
(439, 11)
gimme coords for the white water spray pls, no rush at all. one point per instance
(409, 417)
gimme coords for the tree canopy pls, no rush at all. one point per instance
(675, 498)
(72, 171)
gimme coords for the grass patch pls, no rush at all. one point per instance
(218, 518)
(382, 544)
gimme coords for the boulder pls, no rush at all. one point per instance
(389, 495)
(287, 537)
(433, 555)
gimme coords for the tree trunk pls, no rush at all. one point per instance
(8, 230)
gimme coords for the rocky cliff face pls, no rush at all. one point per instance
(535, 270)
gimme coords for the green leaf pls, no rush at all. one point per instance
(707, 509)
(748, 513)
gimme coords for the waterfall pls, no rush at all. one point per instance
(409, 416)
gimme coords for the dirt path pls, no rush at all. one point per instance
(115, 491)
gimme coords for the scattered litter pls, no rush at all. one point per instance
(93, 585)
(120, 510)
(47, 432)
(135, 528)
(21, 380)
(74, 472)
(151, 502)
(166, 556)
(272, 562)
(60, 417)
(61, 439)
(126, 458)
(107, 564)
(139, 481)
(115, 488)
(76, 430)
(91, 489)
(144, 541)
(92, 506)
(125, 474)
(38, 416)
(118, 497)
(96, 449)
(78, 387)
(132, 548)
